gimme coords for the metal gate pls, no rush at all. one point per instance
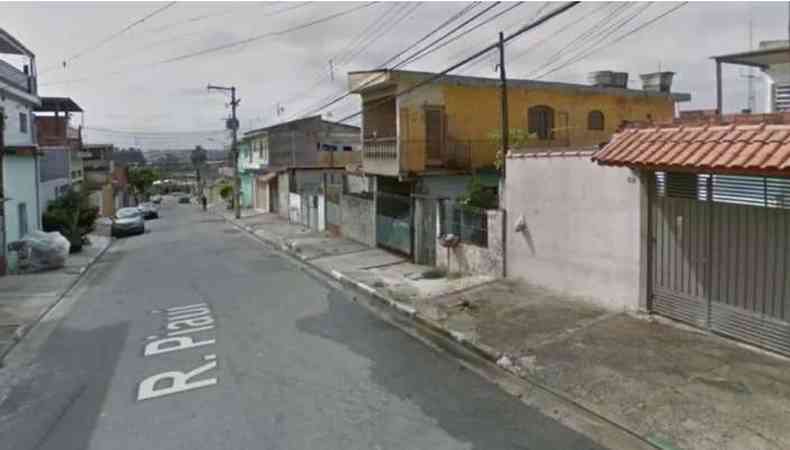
(721, 255)
(425, 230)
(394, 222)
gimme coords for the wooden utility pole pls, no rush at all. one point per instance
(233, 125)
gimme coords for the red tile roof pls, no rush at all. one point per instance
(747, 149)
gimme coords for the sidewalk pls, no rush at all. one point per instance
(24, 299)
(675, 387)
(669, 384)
(391, 275)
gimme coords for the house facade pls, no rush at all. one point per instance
(18, 145)
(60, 144)
(306, 148)
(428, 139)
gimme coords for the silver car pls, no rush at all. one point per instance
(127, 221)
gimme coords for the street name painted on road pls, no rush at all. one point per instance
(182, 321)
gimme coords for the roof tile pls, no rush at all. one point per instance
(745, 148)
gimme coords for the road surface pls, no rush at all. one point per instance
(195, 336)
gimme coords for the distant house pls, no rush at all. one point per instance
(18, 146)
(305, 148)
(104, 179)
(60, 145)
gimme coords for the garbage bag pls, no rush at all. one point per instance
(43, 251)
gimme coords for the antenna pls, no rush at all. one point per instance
(750, 76)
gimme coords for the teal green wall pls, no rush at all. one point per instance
(247, 182)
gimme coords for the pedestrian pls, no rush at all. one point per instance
(204, 201)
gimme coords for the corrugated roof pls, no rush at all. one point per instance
(746, 149)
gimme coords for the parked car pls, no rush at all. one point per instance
(156, 200)
(183, 199)
(127, 221)
(149, 210)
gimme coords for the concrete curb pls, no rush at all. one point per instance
(24, 329)
(458, 344)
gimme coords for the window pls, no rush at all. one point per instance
(347, 148)
(329, 148)
(260, 150)
(23, 122)
(595, 120)
(22, 213)
(541, 121)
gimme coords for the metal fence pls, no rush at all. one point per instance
(469, 223)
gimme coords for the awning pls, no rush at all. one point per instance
(762, 58)
(58, 104)
(266, 177)
(738, 149)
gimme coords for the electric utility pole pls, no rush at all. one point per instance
(505, 141)
(233, 125)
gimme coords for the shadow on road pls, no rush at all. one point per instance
(467, 407)
(60, 400)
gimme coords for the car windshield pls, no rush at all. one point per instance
(127, 212)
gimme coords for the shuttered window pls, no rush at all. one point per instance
(541, 121)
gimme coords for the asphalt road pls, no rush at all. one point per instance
(284, 362)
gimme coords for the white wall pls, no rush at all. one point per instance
(12, 108)
(19, 179)
(582, 234)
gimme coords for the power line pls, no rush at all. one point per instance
(557, 11)
(466, 32)
(621, 37)
(265, 35)
(418, 54)
(115, 35)
(213, 49)
(599, 35)
(596, 29)
(413, 57)
(153, 133)
(387, 29)
(448, 21)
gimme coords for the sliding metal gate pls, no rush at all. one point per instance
(721, 255)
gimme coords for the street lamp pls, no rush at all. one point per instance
(233, 124)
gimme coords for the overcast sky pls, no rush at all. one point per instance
(124, 85)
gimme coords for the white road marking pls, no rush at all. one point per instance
(180, 320)
(181, 342)
(179, 382)
(190, 330)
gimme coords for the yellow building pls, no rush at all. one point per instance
(447, 125)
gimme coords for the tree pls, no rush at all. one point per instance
(72, 216)
(517, 138)
(141, 179)
(478, 196)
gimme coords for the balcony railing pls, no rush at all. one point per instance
(380, 149)
(390, 156)
(16, 77)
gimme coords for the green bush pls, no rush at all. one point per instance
(72, 216)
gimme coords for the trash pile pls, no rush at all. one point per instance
(39, 250)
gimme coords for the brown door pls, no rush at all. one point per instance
(434, 134)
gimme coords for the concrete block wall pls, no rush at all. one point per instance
(581, 227)
(471, 258)
(358, 218)
(283, 202)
